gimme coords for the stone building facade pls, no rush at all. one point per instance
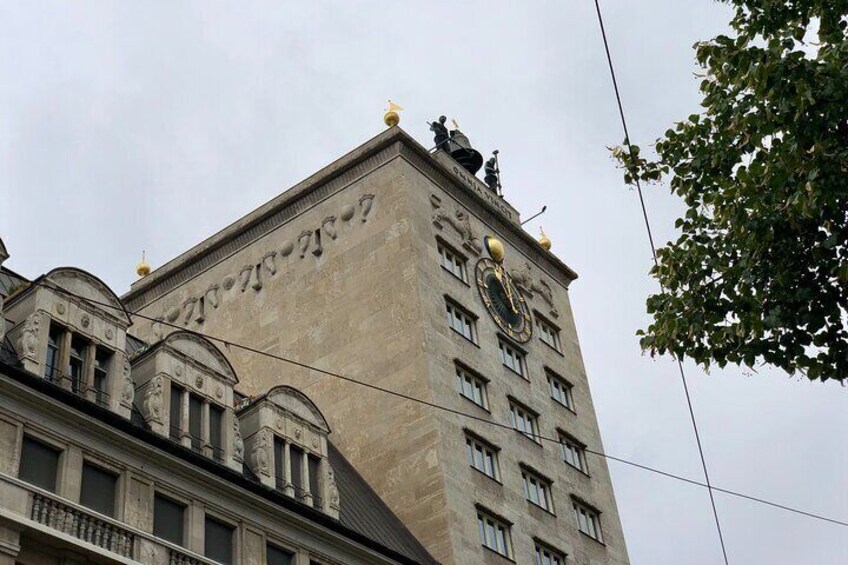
(116, 450)
(369, 269)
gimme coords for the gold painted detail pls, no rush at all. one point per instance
(143, 268)
(392, 117)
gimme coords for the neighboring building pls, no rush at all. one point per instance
(375, 268)
(113, 450)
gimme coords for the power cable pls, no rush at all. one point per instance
(656, 263)
(247, 348)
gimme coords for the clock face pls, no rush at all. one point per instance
(503, 300)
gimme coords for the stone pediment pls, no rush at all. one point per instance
(89, 288)
(203, 351)
(297, 403)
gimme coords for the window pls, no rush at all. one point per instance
(102, 357)
(471, 387)
(314, 470)
(461, 322)
(511, 357)
(525, 421)
(168, 519)
(195, 417)
(560, 390)
(176, 413)
(39, 464)
(453, 262)
(277, 556)
(537, 490)
(218, 541)
(79, 350)
(494, 533)
(548, 556)
(296, 455)
(216, 429)
(279, 463)
(54, 343)
(588, 520)
(573, 452)
(482, 456)
(98, 489)
(548, 333)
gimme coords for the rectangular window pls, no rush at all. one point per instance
(560, 390)
(525, 421)
(218, 541)
(279, 462)
(98, 489)
(471, 387)
(482, 456)
(573, 452)
(314, 464)
(494, 534)
(278, 556)
(588, 520)
(195, 417)
(54, 343)
(296, 455)
(453, 262)
(39, 464)
(216, 430)
(548, 556)
(102, 357)
(548, 333)
(537, 490)
(511, 358)
(79, 351)
(168, 519)
(176, 414)
(461, 322)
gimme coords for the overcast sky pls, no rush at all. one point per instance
(153, 125)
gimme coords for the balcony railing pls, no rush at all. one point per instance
(179, 558)
(81, 525)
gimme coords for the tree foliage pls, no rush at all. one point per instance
(759, 272)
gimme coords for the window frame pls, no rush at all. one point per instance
(555, 554)
(475, 378)
(535, 435)
(520, 354)
(565, 386)
(546, 327)
(108, 469)
(589, 511)
(178, 501)
(452, 308)
(443, 249)
(486, 519)
(273, 543)
(566, 439)
(61, 450)
(542, 485)
(472, 442)
(229, 523)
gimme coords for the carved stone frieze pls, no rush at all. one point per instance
(459, 220)
(28, 339)
(259, 459)
(153, 401)
(532, 286)
(128, 391)
(238, 443)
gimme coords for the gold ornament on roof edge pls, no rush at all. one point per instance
(391, 117)
(495, 249)
(544, 240)
(142, 269)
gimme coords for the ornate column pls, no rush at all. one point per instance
(304, 465)
(289, 488)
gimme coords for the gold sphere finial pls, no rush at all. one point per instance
(495, 248)
(544, 240)
(391, 117)
(143, 268)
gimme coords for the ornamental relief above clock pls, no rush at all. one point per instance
(504, 300)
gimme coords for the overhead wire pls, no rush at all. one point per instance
(656, 264)
(253, 350)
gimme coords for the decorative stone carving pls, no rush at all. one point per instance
(347, 212)
(172, 314)
(188, 309)
(153, 400)
(365, 202)
(329, 225)
(28, 340)
(460, 221)
(287, 248)
(269, 262)
(303, 241)
(85, 321)
(129, 387)
(109, 333)
(198, 381)
(332, 491)
(60, 307)
(228, 282)
(530, 286)
(211, 295)
(238, 443)
(219, 392)
(259, 455)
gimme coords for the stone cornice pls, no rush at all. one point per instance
(363, 160)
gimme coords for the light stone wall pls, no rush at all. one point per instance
(370, 306)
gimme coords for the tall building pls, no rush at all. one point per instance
(378, 268)
(113, 450)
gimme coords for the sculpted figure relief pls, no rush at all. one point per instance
(28, 341)
(332, 489)
(153, 400)
(129, 386)
(259, 455)
(531, 286)
(238, 443)
(460, 221)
